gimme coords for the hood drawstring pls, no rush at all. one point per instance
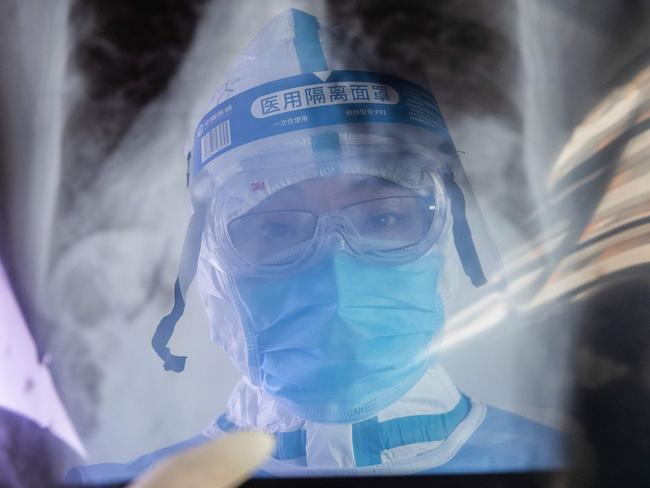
(462, 233)
(186, 273)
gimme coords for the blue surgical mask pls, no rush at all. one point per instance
(344, 338)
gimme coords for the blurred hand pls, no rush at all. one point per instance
(225, 462)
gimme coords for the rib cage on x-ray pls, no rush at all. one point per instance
(98, 206)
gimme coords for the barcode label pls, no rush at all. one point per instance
(215, 140)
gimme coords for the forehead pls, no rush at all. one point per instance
(332, 192)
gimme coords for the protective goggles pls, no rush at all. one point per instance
(365, 214)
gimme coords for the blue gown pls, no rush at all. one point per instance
(504, 442)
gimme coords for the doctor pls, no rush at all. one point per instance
(332, 229)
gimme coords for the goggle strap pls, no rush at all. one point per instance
(462, 233)
(186, 273)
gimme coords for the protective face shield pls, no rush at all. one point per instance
(333, 227)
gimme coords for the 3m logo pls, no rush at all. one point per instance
(257, 186)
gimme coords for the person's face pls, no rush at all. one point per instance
(380, 211)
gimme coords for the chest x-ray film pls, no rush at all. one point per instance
(395, 238)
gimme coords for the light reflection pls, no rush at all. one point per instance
(26, 385)
(615, 238)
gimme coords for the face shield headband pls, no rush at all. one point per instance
(303, 103)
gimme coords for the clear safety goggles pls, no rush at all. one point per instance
(367, 215)
(379, 225)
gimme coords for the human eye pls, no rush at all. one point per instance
(384, 220)
(276, 230)
(383, 217)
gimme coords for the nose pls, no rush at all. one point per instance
(334, 230)
(335, 240)
(331, 233)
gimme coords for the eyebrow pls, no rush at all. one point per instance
(375, 183)
(370, 183)
(291, 192)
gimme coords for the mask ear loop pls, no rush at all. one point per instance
(186, 273)
(462, 233)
